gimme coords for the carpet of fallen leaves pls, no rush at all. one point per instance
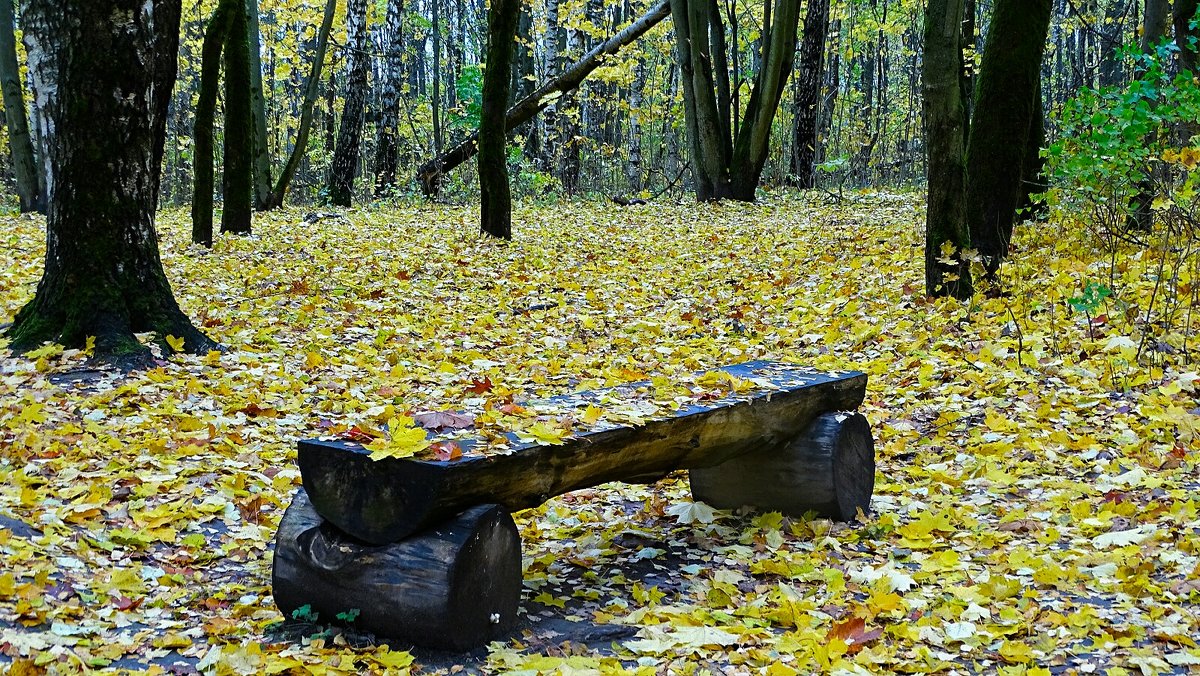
(1034, 510)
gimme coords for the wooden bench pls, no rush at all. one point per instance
(427, 552)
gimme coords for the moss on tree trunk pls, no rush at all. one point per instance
(103, 276)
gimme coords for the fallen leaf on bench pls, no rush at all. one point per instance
(591, 414)
(447, 451)
(544, 433)
(438, 421)
(403, 440)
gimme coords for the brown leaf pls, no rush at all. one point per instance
(251, 509)
(480, 386)
(446, 451)
(439, 421)
(1021, 526)
(853, 632)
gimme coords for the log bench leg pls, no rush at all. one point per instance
(828, 469)
(454, 586)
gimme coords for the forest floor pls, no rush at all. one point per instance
(1034, 510)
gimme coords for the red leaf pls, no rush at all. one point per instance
(253, 410)
(480, 386)
(358, 435)
(126, 603)
(251, 509)
(853, 632)
(446, 451)
(438, 421)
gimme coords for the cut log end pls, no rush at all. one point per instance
(455, 586)
(828, 469)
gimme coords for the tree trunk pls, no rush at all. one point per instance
(354, 102)
(725, 168)
(430, 173)
(946, 272)
(1110, 41)
(523, 70)
(202, 132)
(710, 163)
(103, 276)
(387, 152)
(258, 106)
(495, 216)
(633, 169)
(833, 75)
(237, 184)
(1184, 13)
(806, 104)
(436, 97)
(19, 143)
(1008, 80)
(778, 54)
(312, 92)
(1157, 19)
(1033, 182)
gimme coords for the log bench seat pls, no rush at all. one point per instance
(426, 551)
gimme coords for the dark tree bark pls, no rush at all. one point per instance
(237, 184)
(454, 586)
(524, 70)
(1110, 70)
(495, 213)
(430, 173)
(806, 103)
(1186, 35)
(833, 75)
(725, 167)
(1033, 182)
(387, 151)
(829, 468)
(19, 143)
(354, 103)
(202, 131)
(1156, 22)
(1008, 80)
(312, 92)
(946, 272)
(105, 71)
(435, 98)
(258, 106)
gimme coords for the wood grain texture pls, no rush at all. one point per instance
(828, 469)
(386, 500)
(454, 587)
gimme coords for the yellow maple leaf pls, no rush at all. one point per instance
(403, 440)
(591, 414)
(175, 343)
(545, 434)
(393, 659)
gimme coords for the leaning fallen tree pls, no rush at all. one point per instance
(429, 174)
